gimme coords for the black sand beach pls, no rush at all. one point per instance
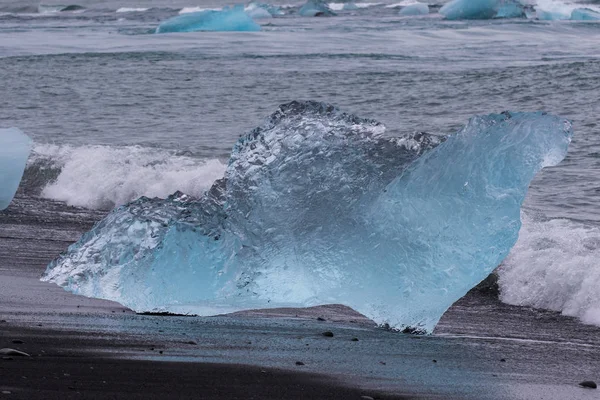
(87, 348)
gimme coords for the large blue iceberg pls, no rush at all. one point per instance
(14, 151)
(317, 207)
(228, 19)
(316, 8)
(482, 9)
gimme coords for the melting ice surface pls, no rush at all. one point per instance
(482, 9)
(14, 151)
(228, 19)
(415, 9)
(318, 207)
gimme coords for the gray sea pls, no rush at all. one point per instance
(117, 111)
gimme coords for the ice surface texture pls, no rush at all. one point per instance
(14, 151)
(316, 8)
(415, 9)
(318, 207)
(482, 9)
(228, 19)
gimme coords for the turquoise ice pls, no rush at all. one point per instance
(319, 207)
(14, 151)
(482, 9)
(415, 9)
(228, 19)
(585, 14)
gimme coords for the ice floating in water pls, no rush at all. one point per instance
(260, 10)
(482, 9)
(318, 207)
(315, 8)
(585, 14)
(415, 9)
(229, 19)
(14, 151)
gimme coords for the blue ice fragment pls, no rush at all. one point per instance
(350, 6)
(229, 19)
(415, 9)
(482, 9)
(318, 207)
(510, 10)
(261, 10)
(14, 151)
(585, 14)
(316, 8)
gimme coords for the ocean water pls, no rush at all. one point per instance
(117, 112)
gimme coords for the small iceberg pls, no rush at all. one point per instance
(14, 151)
(262, 11)
(415, 9)
(316, 8)
(229, 19)
(482, 9)
(585, 14)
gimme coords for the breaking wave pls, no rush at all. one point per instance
(102, 177)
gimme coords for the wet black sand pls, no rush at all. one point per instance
(87, 348)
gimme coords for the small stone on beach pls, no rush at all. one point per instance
(354, 339)
(589, 384)
(17, 341)
(320, 319)
(502, 360)
(299, 363)
(327, 334)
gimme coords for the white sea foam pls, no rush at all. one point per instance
(402, 4)
(130, 9)
(340, 6)
(104, 176)
(554, 265)
(187, 10)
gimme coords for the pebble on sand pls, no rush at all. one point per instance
(327, 334)
(588, 384)
(299, 363)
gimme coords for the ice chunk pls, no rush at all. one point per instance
(585, 14)
(14, 151)
(316, 8)
(350, 6)
(415, 9)
(228, 19)
(318, 207)
(482, 9)
(261, 11)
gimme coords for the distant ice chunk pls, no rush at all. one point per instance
(482, 9)
(415, 9)
(262, 11)
(316, 8)
(585, 14)
(319, 207)
(228, 19)
(14, 151)
(350, 6)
